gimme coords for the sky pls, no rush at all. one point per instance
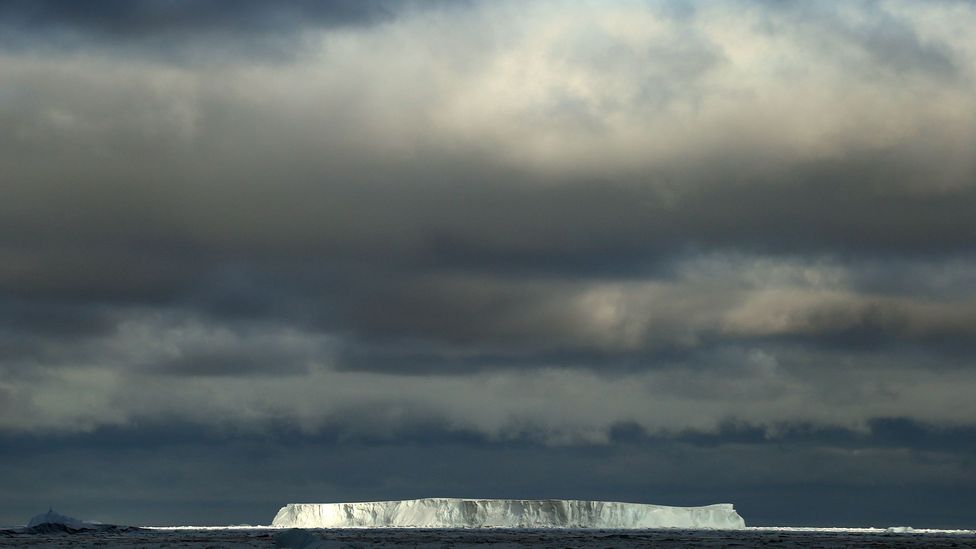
(683, 253)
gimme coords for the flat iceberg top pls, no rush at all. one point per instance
(504, 513)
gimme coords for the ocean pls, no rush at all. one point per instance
(193, 537)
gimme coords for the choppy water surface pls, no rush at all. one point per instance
(266, 537)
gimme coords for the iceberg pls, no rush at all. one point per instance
(55, 518)
(505, 513)
(52, 522)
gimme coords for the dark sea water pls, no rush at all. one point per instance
(265, 537)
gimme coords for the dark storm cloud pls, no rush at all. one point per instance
(188, 28)
(26, 317)
(498, 222)
(139, 17)
(623, 233)
(861, 205)
(210, 363)
(254, 252)
(182, 33)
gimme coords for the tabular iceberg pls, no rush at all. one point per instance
(504, 513)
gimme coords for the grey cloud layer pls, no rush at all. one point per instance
(551, 224)
(114, 17)
(198, 31)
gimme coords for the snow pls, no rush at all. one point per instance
(504, 513)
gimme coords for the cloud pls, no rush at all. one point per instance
(255, 376)
(716, 214)
(253, 253)
(208, 31)
(114, 17)
(232, 478)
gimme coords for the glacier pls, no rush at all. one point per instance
(505, 513)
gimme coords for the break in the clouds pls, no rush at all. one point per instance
(514, 221)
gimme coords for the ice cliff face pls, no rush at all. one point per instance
(504, 513)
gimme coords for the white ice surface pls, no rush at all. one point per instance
(504, 513)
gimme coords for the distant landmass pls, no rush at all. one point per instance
(505, 513)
